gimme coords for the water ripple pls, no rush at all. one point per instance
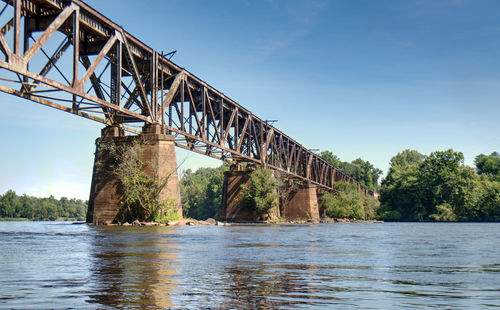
(367, 266)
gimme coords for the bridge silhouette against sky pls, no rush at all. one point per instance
(66, 55)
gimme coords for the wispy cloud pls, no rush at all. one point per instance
(300, 17)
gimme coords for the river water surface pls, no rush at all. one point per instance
(368, 266)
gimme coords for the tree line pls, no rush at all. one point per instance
(434, 187)
(439, 187)
(13, 206)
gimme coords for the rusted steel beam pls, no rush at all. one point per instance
(135, 74)
(17, 27)
(54, 26)
(76, 48)
(5, 46)
(171, 92)
(96, 62)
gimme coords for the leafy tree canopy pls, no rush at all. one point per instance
(439, 187)
(488, 165)
(260, 195)
(201, 192)
(360, 170)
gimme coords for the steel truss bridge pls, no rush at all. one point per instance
(66, 55)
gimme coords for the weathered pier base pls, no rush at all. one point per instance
(303, 204)
(157, 152)
(231, 193)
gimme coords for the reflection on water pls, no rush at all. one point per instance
(133, 266)
(369, 266)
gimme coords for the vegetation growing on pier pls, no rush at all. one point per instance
(141, 191)
(260, 196)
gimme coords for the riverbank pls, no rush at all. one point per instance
(210, 221)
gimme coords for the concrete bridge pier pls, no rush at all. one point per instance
(302, 204)
(157, 152)
(231, 195)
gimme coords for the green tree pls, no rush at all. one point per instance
(440, 187)
(489, 165)
(10, 204)
(400, 189)
(438, 175)
(444, 213)
(260, 195)
(201, 192)
(488, 201)
(366, 173)
(348, 202)
(360, 170)
(331, 158)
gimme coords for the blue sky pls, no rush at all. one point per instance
(360, 78)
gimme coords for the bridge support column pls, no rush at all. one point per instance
(231, 194)
(157, 152)
(303, 204)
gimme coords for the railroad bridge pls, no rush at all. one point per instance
(66, 55)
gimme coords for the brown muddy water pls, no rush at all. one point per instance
(356, 265)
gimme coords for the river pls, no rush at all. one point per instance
(351, 265)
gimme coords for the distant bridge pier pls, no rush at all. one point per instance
(231, 195)
(300, 203)
(157, 152)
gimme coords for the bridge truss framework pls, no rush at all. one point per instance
(66, 55)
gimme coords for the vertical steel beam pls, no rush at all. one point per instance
(237, 129)
(154, 86)
(221, 120)
(162, 115)
(76, 46)
(17, 27)
(116, 75)
(205, 118)
(26, 45)
(182, 105)
(136, 74)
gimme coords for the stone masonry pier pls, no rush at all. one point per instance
(157, 152)
(302, 203)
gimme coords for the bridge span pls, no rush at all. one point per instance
(66, 55)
